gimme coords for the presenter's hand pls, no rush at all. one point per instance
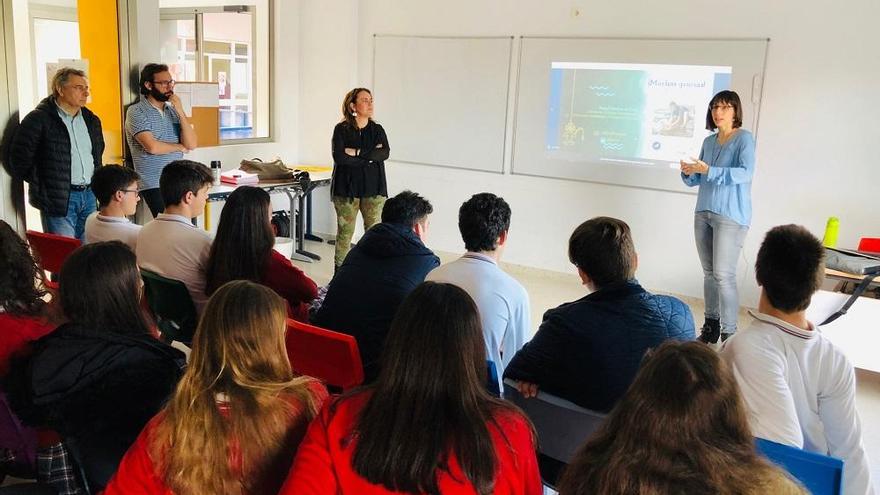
(528, 390)
(182, 148)
(697, 167)
(351, 151)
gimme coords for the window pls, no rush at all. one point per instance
(229, 45)
(54, 37)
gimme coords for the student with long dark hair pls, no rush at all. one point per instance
(242, 250)
(23, 310)
(428, 425)
(99, 377)
(680, 428)
(238, 415)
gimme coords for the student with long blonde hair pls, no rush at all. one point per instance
(680, 428)
(237, 416)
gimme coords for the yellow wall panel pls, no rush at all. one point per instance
(99, 43)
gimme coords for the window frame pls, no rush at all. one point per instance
(196, 14)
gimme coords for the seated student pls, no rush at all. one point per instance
(23, 311)
(102, 375)
(428, 424)
(799, 388)
(238, 415)
(170, 244)
(484, 221)
(24, 318)
(388, 262)
(116, 189)
(242, 250)
(588, 351)
(680, 428)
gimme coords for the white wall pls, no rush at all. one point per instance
(814, 159)
(329, 69)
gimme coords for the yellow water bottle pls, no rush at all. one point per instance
(831, 229)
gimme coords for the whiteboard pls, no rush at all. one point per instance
(443, 100)
(534, 151)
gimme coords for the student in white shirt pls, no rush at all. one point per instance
(798, 387)
(171, 245)
(116, 189)
(484, 221)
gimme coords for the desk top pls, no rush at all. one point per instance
(855, 332)
(847, 277)
(321, 178)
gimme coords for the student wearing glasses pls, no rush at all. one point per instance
(115, 187)
(157, 131)
(723, 173)
(55, 150)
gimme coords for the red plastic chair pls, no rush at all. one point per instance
(329, 356)
(870, 244)
(51, 250)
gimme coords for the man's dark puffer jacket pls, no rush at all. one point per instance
(40, 155)
(388, 262)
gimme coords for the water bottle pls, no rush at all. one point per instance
(831, 229)
(215, 171)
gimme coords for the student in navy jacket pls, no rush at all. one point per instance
(389, 261)
(588, 351)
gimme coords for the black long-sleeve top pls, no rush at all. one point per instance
(360, 176)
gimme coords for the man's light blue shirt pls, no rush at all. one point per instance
(502, 301)
(82, 163)
(727, 189)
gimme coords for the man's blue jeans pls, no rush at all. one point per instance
(719, 242)
(80, 205)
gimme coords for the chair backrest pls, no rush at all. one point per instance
(820, 474)
(329, 356)
(562, 426)
(21, 440)
(51, 250)
(870, 244)
(172, 306)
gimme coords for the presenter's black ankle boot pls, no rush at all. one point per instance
(710, 332)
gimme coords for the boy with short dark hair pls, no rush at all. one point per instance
(588, 351)
(798, 387)
(388, 262)
(171, 245)
(116, 189)
(484, 221)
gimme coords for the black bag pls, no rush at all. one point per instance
(281, 223)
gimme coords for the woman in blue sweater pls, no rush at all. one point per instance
(724, 210)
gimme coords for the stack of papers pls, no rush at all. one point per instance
(239, 177)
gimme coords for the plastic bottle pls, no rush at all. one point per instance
(831, 230)
(215, 171)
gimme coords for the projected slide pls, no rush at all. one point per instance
(649, 115)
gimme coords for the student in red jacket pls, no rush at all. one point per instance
(22, 308)
(242, 250)
(427, 425)
(238, 415)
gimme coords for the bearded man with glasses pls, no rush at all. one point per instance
(157, 131)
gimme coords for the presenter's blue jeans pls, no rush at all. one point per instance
(719, 242)
(80, 205)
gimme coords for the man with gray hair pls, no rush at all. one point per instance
(55, 150)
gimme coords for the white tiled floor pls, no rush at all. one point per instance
(549, 289)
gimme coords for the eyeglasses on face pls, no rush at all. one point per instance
(170, 82)
(135, 191)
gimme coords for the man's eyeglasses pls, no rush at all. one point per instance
(170, 82)
(135, 191)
